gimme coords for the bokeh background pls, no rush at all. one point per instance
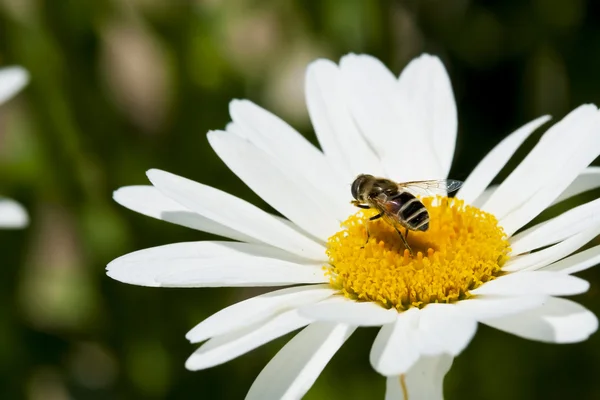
(119, 87)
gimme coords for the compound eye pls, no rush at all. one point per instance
(355, 187)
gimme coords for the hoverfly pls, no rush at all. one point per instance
(397, 203)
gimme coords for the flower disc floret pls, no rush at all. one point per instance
(463, 248)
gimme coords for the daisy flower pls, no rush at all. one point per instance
(475, 264)
(12, 80)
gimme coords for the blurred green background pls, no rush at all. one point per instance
(119, 87)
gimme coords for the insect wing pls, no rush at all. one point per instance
(383, 207)
(431, 188)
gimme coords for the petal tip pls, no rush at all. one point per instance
(190, 364)
(118, 194)
(197, 361)
(154, 173)
(215, 134)
(319, 64)
(237, 103)
(189, 336)
(13, 215)
(353, 57)
(12, 81)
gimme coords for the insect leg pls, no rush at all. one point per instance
(373, 218)
(368, 234)
(357, 204)
(406, 234)
(405, 242)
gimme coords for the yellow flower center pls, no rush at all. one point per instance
(463, 248)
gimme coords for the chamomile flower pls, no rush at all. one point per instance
(475, 264)
(12, 80)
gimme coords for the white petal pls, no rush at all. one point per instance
(367, 80)
(495, 160)
(291, 373)
(484, 196)
(12, 80)
(545, 197)
(290, 148)
(230, 271)
(224, 348)
(331, 190)
(426, 85)
(588, 179)
(445, 325)
(553, 253)
(288, 193)
(257, 309)
(12, 214)
(559, 228)
(345, 311)
(235, 271)
(497, 306)
(237, 130)
(338, 134)
(234, 213)
(577, 262)
(533, 171)
(562, 153)
(204, 249)
(424, 381)
(533, 283)
(209, 264)
(395, 348)
(385, 116)
(557, 321)
(396, 388)
(149, 201)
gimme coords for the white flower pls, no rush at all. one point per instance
(12, 80)
(368, 121)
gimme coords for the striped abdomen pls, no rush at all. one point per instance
(409, 210)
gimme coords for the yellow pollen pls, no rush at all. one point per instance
(463, 248)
